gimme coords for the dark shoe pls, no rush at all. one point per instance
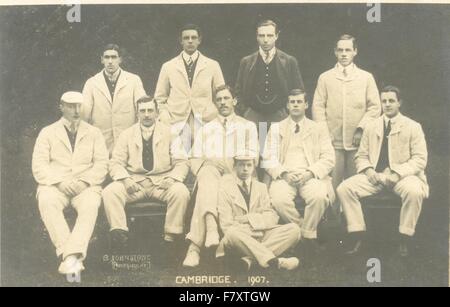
(356, 249)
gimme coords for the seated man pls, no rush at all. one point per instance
(212, 156)
(299, 158)
(392, 155)
(147, 163)
(248, 221)
(70, 162)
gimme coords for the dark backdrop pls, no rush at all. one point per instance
(42, 55)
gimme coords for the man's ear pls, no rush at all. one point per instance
(306, 105)
(234, 102)
(356, 51)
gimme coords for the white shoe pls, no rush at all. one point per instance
(169, 237)
(212, 239)
(192, 259)
(288, 263)
(71, 265)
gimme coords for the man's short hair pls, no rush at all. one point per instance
(191, 26)
(267, 22)
(112, 47)
(391, 88)
(297, 91)
(347, 37)
(223, 87)
(144, 99)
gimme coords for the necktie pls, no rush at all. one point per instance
(225, 124)
(345, 72)
(297, 128)
(245, 187)
(387, 130)
(73, 128)
(266, 59)
(190, 62)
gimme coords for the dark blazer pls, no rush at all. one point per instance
(288, 74)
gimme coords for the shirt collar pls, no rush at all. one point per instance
(67, 123)
(147, 129)
(349, 69)
(271, 53)
(114, 76)
(393, 119)
(186, 56)
(231, 118)
(241, 182)
(292, 124)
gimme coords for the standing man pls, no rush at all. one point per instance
(299, 158)
(147, 162)
(212, 156)
(346, 99)
(392, 156)
(110, 97)
(70, 162)
(266, 77)
(248, 221)
(186, 84)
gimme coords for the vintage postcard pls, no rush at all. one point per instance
(224, 144)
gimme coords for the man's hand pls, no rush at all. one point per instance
(67, 188)
(291, 178)
(166, 183)
(242, 219)
(373, 176)
(79, 186)
(305, 177)
(392, 179)
(357, 137)
(131, 186)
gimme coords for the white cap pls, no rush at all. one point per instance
(246, 154)
(72, 97)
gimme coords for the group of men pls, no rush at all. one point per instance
(115, 144)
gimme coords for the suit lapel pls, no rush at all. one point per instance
(379, 131)
(239, 199)
(179, 65)
(61, 133)
(100, 83)
(81, 133)
(281, 64)
(201, 64)
(305, 136)
(253, 195)
(123, 78)
(285, 136)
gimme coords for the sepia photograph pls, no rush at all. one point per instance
(210, 144)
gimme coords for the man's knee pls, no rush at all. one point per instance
(179, 191)
(111, 189)
(208, 173)
(49, 197)
(293, 231)
(231, 236)
(319, 191)
(343, 189)
(279, 194)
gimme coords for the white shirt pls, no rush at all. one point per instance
(186, 56)
(293, 124)
(348, 69)
(393, 119)
(295, 156)
(69, 124)
(112, 77)
(230, 119)
(264, 54)
(147, 132)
